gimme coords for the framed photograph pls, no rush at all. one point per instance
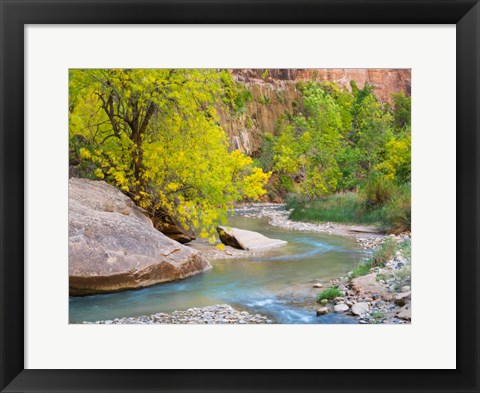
(237, 196)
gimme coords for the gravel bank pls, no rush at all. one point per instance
(217, 314)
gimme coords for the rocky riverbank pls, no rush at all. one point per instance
(367, 236)
(383, 295)
(217, 314)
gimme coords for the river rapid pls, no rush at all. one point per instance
(278, 283)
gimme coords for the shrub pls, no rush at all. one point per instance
(384, 253)
(330, 293)
(377, 190)
(362, 268)
(398, 211)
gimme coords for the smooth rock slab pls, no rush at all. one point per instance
(246, 240)
(113, 246)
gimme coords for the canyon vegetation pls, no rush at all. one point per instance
(164, 161)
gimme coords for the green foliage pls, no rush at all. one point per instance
(380, 256)
(155, 134)
(308, 147)
(265, 155)
(402, 107)
(330, 293)
(377, 189)
(346, 207)
(377, 316)
(398, 211)
(362, 269)
(384, 252)
(241, 99)
(264, 100)
(402, 277)
(405, 248)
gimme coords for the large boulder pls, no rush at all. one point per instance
(113, 246)
(246, 240)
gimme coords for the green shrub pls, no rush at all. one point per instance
(384, 252)
(377, 316)
(330, 293)
(362, 269)
(377, 190)
(242, 98)
(398, 211)
(405, 248)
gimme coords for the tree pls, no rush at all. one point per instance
(309, 146)
(156, 135)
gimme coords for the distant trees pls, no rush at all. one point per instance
(338, 139)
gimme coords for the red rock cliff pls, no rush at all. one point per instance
(275, 92)
(385, 80)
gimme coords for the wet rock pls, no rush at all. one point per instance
(322, 311)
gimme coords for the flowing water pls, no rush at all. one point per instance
(278, 284)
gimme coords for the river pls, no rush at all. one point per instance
(278, 284)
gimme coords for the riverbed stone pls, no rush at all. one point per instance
(246, 240)
(405, 312)
(360, 309)
(113, 245)
(323, 311)
(318, 285)
(402, 298)
(340, 308)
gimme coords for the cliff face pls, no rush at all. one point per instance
(274, 93)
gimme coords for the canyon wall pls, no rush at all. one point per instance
(274, 93)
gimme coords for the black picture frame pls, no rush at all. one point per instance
(15, 14)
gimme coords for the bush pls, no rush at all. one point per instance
(362, 268)
(384, 253)
(330, 293)
(377, 190)
(398, 211)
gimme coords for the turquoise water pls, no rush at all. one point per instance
(278, 284)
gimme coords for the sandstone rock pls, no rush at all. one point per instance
(405, 312)
(246, 240)
(402, 298)
(367, 285)
(113, 246)
(340, 308)
(360, 309)
(318, 285)
(322, 311)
